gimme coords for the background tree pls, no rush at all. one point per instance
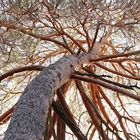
(100, 97)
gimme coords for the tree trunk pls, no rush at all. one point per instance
(29, 117)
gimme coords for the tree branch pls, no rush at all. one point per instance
(106, 85)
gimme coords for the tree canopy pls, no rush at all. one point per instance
(102, 97)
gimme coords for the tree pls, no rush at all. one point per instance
(88, 54)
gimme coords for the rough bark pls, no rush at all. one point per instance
(29, 117)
